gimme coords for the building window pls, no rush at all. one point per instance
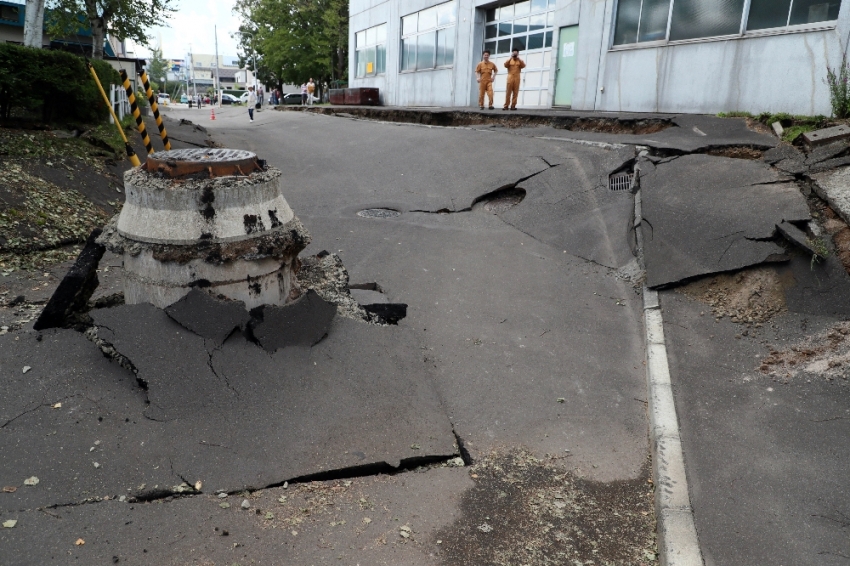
(765, 14)
(524, 26)
(428, 38)
(10, 13)
(370, 57)
(640, 21)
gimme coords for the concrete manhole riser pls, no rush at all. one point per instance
(234, 235)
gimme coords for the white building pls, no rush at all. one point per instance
(606, 55)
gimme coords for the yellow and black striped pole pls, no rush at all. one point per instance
(140, 125)
(131, 155)
(152, 99)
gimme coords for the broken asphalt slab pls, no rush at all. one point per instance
(356, 521)
(213, 318)
(703, 214)
(571, 208)
(237, 417)
(303, 322)
(766, 453)
(689, 134)
(74, 421)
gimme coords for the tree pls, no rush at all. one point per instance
(296, 39)
(123, 19)
(33, 23)
(158, 68)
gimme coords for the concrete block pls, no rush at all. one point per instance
(778, 129)
(658, 371)
(826, 135)
(650, 298)
(671, 483)
(678, 543)
(663, 422)
(834, 188)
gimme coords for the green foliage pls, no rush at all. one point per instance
(734, 115)
(838, 81)
(793, 132)
(295, 39)
(124, 19)
(51, 85)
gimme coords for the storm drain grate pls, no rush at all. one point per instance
(379, 213)
(620, 182)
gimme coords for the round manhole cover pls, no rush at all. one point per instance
(213, 162)
(379, 213)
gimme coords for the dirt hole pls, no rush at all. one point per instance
(455, 118)
(500, 200)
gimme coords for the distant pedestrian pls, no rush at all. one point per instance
(252, 101)
(514, 65)
(303, 94)
(485, 74)
(311, 88)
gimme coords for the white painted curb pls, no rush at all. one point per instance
(678, 543)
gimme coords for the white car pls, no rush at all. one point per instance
(244, 98)
(163, 98)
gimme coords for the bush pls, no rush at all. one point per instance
(51, 85)
(839, 89)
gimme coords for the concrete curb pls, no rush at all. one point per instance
(678, 543)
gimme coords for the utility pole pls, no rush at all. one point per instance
(33, 23)
(192, 71)
(217, 79)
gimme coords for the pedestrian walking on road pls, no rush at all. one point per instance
(252, 101)
(514, 65)
(311, 88)
(303, 94)
(485, 73)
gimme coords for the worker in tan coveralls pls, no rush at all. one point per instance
(514, 65)
(485, 73)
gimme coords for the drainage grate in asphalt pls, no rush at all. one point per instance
(379, 213)
(620, 181)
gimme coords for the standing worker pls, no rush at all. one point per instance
(252, 101)
(485, 73)
(311, 87)
(514, 65)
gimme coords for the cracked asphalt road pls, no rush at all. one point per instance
(523, 339)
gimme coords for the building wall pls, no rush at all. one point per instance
(783, 72)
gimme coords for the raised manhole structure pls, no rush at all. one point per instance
(209, 218)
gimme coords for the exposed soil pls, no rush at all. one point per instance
(741, 152)
(824, 355)
(835, 227)
(750, 296)
(55, 188)
(526, 511)
(454, 118)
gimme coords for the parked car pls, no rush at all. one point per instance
(292, 98)
(229, 99)
(163, 98)
(244, 98)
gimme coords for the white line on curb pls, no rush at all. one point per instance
(678, 544)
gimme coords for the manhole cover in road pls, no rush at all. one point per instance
(379, 213)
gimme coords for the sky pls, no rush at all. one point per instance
(193, 23)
